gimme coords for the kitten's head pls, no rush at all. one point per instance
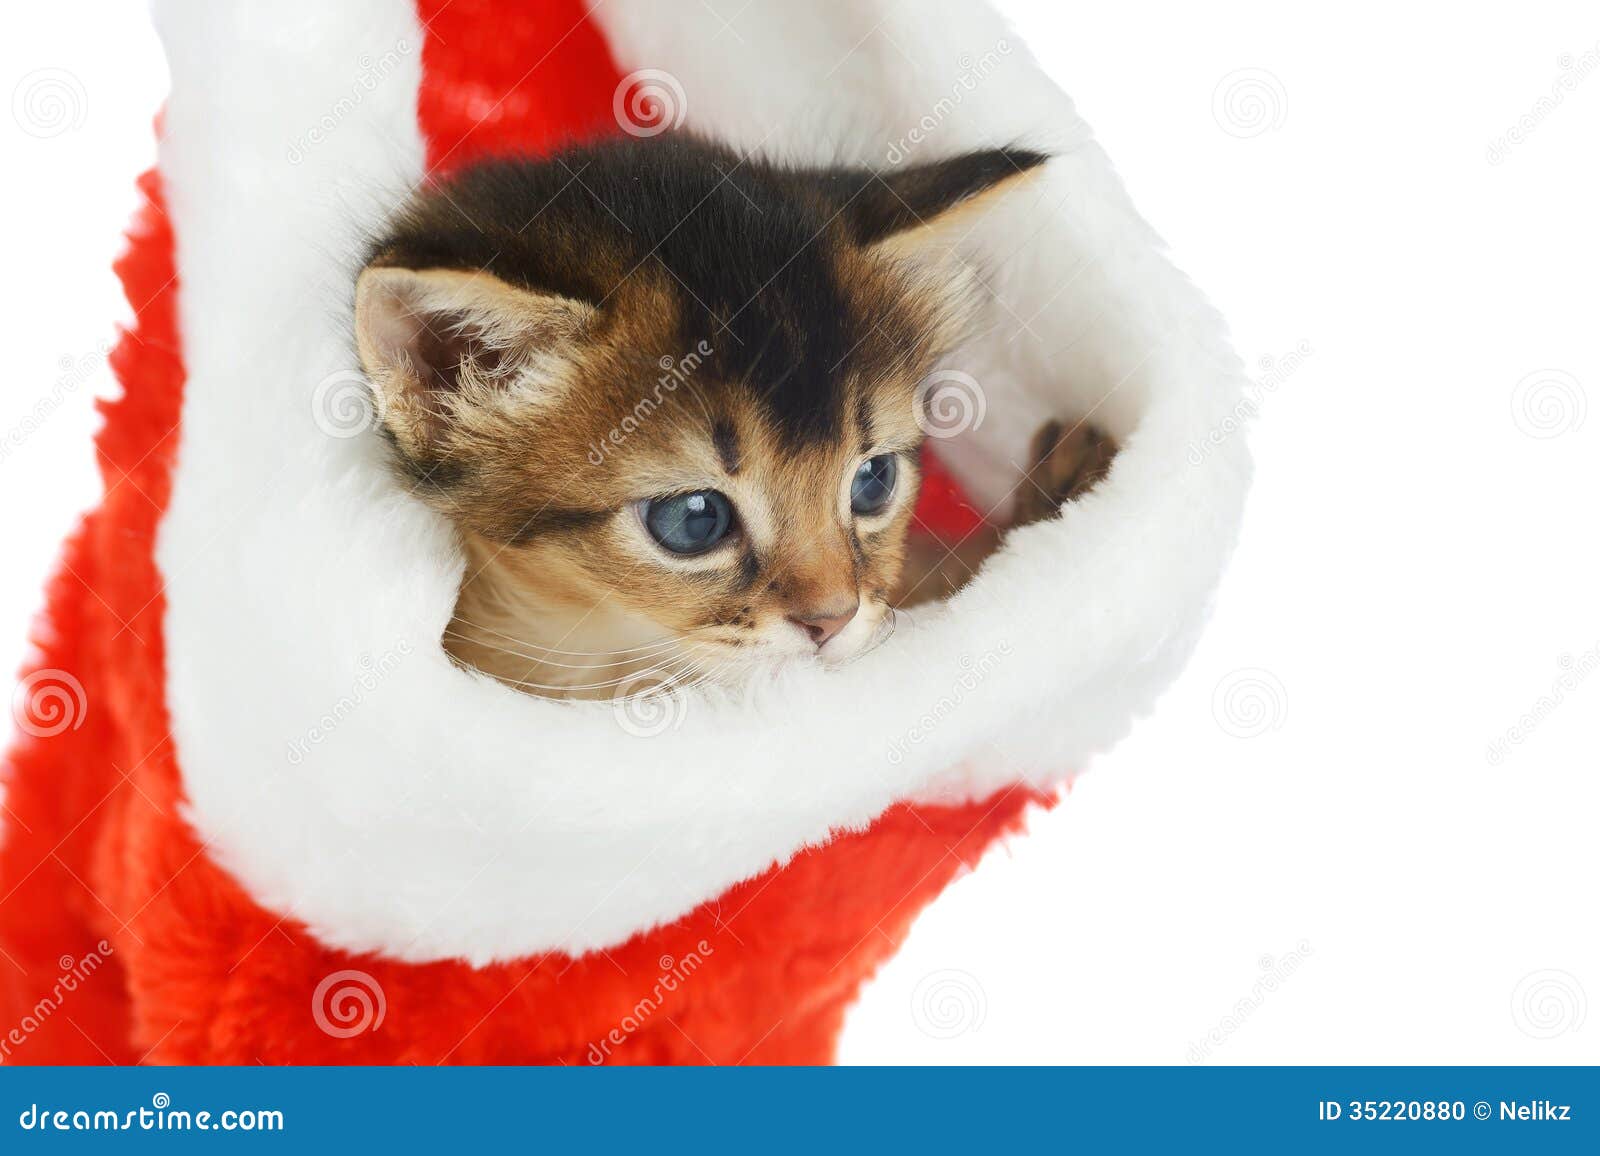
(670, 396)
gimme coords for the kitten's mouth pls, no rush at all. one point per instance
(781, 645)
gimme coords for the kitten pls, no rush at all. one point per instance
(669, 399)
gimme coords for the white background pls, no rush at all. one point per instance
(1308, 854)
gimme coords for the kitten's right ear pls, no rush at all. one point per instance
(903, 210)
(437, 343)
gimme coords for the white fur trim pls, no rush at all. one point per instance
(353, 779)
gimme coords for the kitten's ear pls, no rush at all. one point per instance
(436, 343)
(903, 210)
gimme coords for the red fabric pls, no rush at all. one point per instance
(98, 864)
(942, 509)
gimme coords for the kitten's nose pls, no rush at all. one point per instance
(824, 624)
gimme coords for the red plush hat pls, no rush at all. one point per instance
(256, 814)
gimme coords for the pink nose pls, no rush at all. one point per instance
(823, 625)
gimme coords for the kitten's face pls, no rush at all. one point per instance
(699, 517)
(673, 407)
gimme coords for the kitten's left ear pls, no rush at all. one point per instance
(902, 210)
(438, 344)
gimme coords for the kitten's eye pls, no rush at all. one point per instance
(689, 523)
(873, 485)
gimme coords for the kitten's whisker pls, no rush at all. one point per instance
(658, 644)
(531, 651)
(682, 634)
(540, 655)
(670, 680)
(567, 689)
(538, 663)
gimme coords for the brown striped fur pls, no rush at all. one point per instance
(552, 342)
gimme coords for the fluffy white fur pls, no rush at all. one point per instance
(353, 779)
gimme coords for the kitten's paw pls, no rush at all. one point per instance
(1068, 461)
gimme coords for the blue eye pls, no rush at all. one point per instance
(689, 523)
(873, 485)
